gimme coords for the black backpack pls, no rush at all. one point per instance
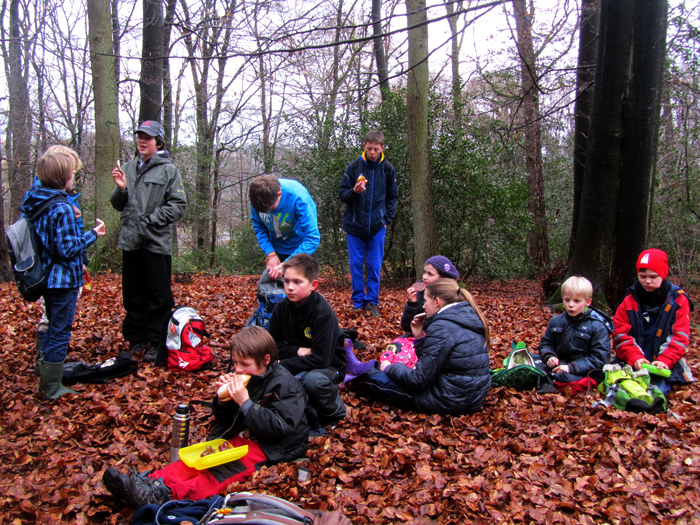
(25, 249)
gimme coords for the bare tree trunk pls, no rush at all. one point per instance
(107, 139)
(585, 76)
(167, 83)
(4, 261)
(151, 79)
(380, 56)
(595, 236)
(538, 245)
(457, 102)
(424, 230)
(20, 120)
(641, 119)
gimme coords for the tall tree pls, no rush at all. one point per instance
(417, 91)
(538, 244)
(151, 79)
(585, 75)
(379, 55)
(107, 139)
(20, 118)
(620, 158)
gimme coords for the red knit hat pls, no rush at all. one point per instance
(654, 260)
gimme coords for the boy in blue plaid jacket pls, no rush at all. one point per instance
(63, 255)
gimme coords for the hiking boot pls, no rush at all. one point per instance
(358, 308)
(373, 309)
(137, 489)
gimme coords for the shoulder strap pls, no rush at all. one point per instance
(36, 212)
(261, 501)
(355, 164)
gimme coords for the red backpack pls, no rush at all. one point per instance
(184, 341)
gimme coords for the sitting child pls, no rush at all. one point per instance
(451, 375)
(652, 323)
(270, 410)
(577, 342)
(401, 349)
(310, 341)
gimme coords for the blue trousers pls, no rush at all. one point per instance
(370, 253)
(60, 309)
(378, 385)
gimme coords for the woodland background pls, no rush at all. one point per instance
(482, 105)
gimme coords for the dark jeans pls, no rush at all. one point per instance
(60, 309)
(147, 294)
(377, 384)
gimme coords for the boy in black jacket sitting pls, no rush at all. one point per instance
(310, 341)
(270, 409)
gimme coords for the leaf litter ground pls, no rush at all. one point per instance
(525, 458)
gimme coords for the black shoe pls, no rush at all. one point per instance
(150, 356)
(358, 308)
(373, 309)
(136, 349)
(137, 490)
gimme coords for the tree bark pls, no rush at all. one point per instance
(107, 139)
(151, 79)
(417, 93)
(538, 245)
(20, 120)
(379, 55)
(585, 76)
(641, 112)
(595, 236)
(167, 83)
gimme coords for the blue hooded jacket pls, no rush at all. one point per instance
(368, 212)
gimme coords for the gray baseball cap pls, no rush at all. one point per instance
(152, 128)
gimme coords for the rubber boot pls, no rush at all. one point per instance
(39, 354)
(50, 376)
(355, 366)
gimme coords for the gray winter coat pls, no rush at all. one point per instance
(452, 372)
(152, 201)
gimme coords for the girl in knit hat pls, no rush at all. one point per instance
(401, 350)
(652, 324)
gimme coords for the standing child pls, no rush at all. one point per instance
(652, 323)
(72, 195)
(369, 192)
(310, 341)
(577, 342)
(270, 410)
(64, 247)
(452, 372)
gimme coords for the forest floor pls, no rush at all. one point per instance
(525, 458)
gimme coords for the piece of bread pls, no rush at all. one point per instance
(223, 392)
(361, 178)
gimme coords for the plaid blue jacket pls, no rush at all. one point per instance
(63, 243)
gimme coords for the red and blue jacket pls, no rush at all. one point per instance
(671, 336)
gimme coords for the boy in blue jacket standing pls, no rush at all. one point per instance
(369, 192)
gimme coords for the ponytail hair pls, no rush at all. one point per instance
(450, 292)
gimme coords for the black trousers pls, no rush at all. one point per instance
(148, 296)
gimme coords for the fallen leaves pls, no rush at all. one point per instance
(525, 458)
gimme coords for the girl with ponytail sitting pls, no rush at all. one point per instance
(451, 375)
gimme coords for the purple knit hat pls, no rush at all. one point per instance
(443, 266)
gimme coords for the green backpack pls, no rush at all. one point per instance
(627, 389)
(519, 371)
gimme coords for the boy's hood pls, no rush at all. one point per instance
(36, 196)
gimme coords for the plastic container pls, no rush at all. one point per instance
(192, 455)
(657, 371)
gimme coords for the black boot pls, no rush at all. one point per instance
(39, 354)
(138, 489)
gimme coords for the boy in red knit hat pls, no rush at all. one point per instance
(652, 323)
